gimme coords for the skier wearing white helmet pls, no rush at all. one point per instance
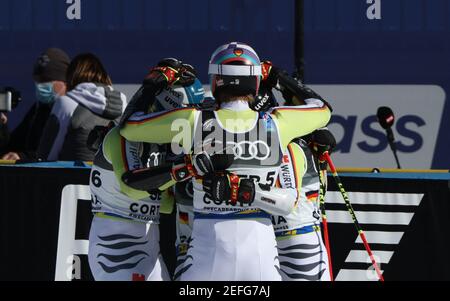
(237, 153)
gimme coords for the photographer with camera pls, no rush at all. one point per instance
(9, 100)
(3, 119)
(4, 134)
(49, 75)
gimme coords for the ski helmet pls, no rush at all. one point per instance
(235, 66)
(179, 97)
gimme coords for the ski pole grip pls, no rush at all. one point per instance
(326, 157)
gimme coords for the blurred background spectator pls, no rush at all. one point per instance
(49, 74)
(90, 101)
(4, 134)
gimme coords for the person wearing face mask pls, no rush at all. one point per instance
(49, 74)
(90, 101)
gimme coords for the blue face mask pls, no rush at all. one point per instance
(45, 93)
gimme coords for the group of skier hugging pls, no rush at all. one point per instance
(241, 167)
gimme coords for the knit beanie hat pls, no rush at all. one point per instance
(51, 66)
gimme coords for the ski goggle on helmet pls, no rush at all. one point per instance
(235, 66)
(179, 97)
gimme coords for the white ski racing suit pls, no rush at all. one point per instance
(302, 254)
(124, 236)
(184, 194)
(236, 243)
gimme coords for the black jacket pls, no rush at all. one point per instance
(4, 138)
(24, 140)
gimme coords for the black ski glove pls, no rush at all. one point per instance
(206, 164)
(170, 72)
(322, 140)
(265, 100)
(229, 188)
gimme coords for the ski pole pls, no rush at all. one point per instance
(322, 193)
(344, 194)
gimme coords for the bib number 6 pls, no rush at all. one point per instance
(95, 178)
